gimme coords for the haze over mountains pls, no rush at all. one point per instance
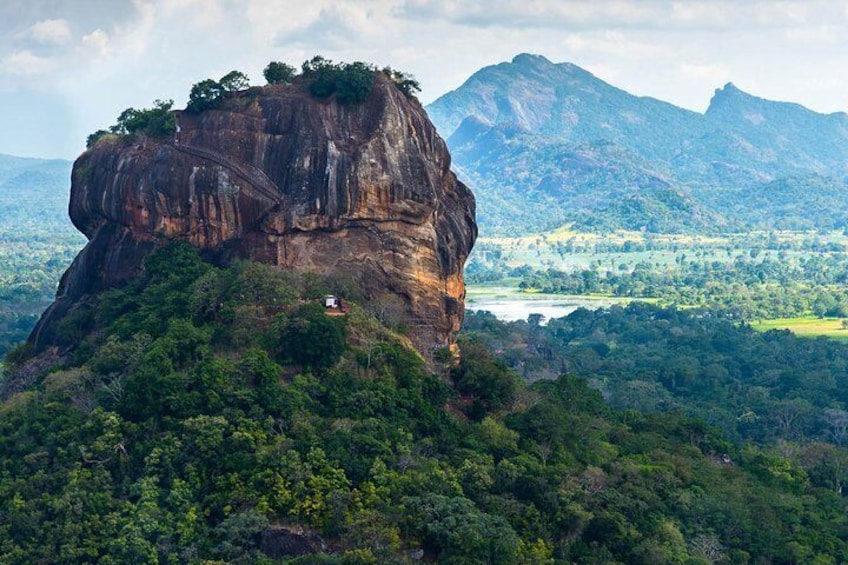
(543, 144)
(37, 240)
(33, 192)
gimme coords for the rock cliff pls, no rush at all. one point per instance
(278, 176)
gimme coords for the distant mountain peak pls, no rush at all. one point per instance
(520, 131)
(730, 90)
(531, 59)
(731, 98)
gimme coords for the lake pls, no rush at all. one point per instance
(510, 305)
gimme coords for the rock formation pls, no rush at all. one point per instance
(278, 176)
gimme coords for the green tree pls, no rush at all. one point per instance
(354, 82)
(234, 81)
(312, 338)
(489, 380)
(93, 138)
(158, 121)
(204, 95)
(350, 82)
(279, 73)
(406, 83)
(460, 533)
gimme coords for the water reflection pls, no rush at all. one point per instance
(512, 307)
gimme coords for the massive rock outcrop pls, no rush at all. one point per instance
(278, 176)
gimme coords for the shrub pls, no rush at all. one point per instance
(350, 82)
(158, 121)
(204, 95)
(279, 73)
(92, 139)
(354, 82)
(234, 81)
(404, 82)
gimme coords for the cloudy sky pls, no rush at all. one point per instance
(68, 67)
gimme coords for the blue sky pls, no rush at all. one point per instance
(68, 67)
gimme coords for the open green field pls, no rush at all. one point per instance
(806, 327)
(571, 250)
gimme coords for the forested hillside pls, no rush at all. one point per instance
(220, 414)
(37, 241)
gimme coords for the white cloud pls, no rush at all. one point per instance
(110, 54)
(26, 63)
(613, 43)
(533, 13)
(50, 32)
(631, 14)
(98, 40)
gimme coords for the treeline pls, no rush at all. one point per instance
(765, 387)
(747, 289)
(350, 83)
(219, 414)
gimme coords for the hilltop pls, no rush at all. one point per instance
(277, 174)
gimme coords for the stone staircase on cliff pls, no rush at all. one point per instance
(254, 176)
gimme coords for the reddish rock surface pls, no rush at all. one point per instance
(280, 177)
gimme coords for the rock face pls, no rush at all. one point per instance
(279, 177)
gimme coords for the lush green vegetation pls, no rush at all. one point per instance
(201, 418)
(745, 289)
(746, 276)
(766, 387)
(37, 241)
(279, 73)
(834, 328)
(158, 121)
(405, 82)
(350, 82)
(209, 93)
(219, 415)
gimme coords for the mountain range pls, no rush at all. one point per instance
(543, 144)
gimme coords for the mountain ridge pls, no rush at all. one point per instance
(510, 125)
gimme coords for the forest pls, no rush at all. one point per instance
(37, 241)
(198, 422)
(757, 276)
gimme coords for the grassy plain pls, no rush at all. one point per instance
(806, 327)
